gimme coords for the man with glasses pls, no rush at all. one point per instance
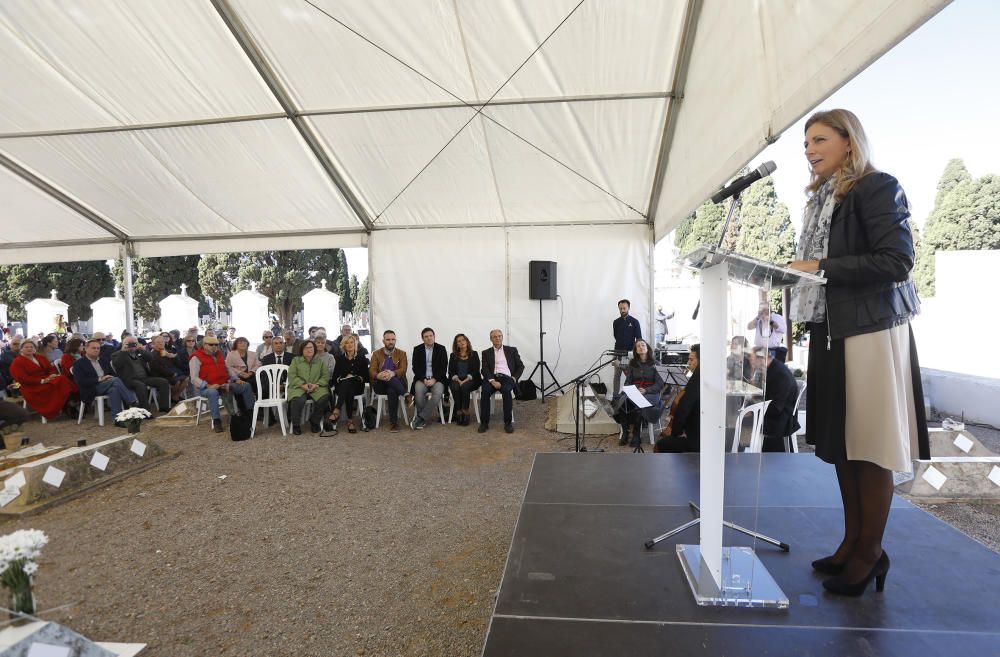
(132, 365)
(278, 356)
(92, 375)
(212, 379)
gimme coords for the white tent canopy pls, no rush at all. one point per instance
(192, 126)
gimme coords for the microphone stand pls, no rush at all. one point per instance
(580, 383)
(734, 205)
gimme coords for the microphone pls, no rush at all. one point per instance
(743, 182)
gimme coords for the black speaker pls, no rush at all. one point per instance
(541, 279)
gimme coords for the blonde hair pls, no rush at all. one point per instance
(858, 163)
(345, 340)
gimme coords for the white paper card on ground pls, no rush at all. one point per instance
(17, 481)
(934, 477)
(636, 397)
(963, 443)
(54, 476)
(138, 447)
(994, 475)
(8, 495)
(100, 461)
(47, 650)
(901, 477)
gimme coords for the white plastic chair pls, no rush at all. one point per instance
(791, 441)
(441, 415)
(24, 404)
(756, 433)
(277, 397)
(474, 396)
(98, 410)
(382, 400)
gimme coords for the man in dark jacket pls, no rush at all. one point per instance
(131, 365)
(502, 367)
(782, 391)
(626, 330)
(92, 375)
(430, 372)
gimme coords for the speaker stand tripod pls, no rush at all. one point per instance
(541, 366)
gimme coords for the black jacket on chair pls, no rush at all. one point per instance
(286, 359)
(869, 258)
(687, 417)
(474, 370)
(439, 363)
(86, 379)
(513, 362)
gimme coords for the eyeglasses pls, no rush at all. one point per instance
(131, 344)
(189, 340)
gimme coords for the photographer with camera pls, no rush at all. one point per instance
(768, 327)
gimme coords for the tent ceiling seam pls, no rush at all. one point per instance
(480, 109)
(139, 127)
(70, 201)
(245, 39)
(688, 29)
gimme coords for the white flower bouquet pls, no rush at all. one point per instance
(134, 414)
(19, 553)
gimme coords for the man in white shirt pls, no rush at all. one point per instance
(502, 367)
(768, 327)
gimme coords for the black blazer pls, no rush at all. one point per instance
(286, 359)
(344, 367)
(513, 362)
(869, 258)
(477, 378)
(123, 368)
(687, 417)
(85, 377)
(439, 363)
(782, 391)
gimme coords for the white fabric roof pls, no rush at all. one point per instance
(189, 126)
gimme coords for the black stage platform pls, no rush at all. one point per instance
(578, 581)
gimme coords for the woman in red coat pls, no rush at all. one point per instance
(74, 351)
(45, 390)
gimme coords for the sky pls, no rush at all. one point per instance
(933, 97)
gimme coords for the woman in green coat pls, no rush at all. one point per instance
(308, 378)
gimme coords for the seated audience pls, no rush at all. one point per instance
(243, 364)
(464, 376)
(388, 375)
(502, 367)
(278, 356)
(185, 348)
(49, 348)
(738, 365)
(43, 388)
(264, 348)
(211, 379)
(683, 430)
(345, 331)
(8, 355)
(92, 374)
(308, 378)
(640, 372)
(349, 378)
(163, 364)
(323, 351)
(132, 366)
(782, 391)
(430, 371)
(72, 353)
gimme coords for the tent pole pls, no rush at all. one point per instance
(127, 274)
(651, 325)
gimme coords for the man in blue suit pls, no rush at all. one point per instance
(93, 377)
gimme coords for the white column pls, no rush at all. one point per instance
(712, 365)
(127, 275)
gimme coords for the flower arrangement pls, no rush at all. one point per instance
(18, 563)
(134, 414)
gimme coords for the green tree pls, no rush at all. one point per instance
(78, 284)
(352, 294)
(701, 228)
(966, 216)
(153, 279)
(361, 300)
(283, 276)
(765, 227)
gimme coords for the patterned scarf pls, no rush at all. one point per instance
(809, 303)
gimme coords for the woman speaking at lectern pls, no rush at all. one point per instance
(864, 398)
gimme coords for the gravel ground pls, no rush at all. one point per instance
(366, 544)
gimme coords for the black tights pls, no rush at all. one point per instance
(866, 490)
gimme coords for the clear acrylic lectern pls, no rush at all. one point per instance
(730, 576)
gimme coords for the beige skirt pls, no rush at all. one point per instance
(880, 423)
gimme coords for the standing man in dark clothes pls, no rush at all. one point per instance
(626, 330)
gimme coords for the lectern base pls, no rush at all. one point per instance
(745, 580)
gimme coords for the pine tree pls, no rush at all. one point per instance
(765, 228)
(153, 279)
(361, 301)
(701, 228)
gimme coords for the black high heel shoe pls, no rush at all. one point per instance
(878, 573)
(828, 566)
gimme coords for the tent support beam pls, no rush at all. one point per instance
(126, 252)
(264, 69)
(689, 27)
(67, 200)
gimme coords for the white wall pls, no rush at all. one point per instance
(480, 282)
